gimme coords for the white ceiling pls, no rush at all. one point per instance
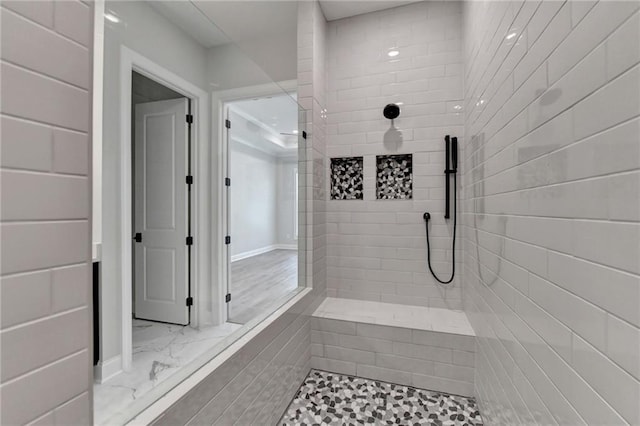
(213, 23)
(280, 112)
(246, 20)
(267, 124)
(338, 9)
(184, 15)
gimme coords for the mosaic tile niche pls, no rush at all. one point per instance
(394, 177)
(347, 178)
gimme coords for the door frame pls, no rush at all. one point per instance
(219, 101)
(130, 61)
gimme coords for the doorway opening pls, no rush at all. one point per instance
(262, 203)
(162, 121)
(161, 199)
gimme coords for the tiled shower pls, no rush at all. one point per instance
(541, 323)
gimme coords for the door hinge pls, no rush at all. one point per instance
(189, 301)
(189, 180)
(189, 241)
(227, 298)
(189, 118)
(227, 239)
(227, 181)
(138, 237)
(227, 124)
(304, 135)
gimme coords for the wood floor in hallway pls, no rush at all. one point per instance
(259, 281)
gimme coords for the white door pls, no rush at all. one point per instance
(161, 286)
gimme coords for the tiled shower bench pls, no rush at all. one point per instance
(428, 348)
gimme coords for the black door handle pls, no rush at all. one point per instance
(138, 237)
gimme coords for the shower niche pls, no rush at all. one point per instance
(394, 177)
(347, 175)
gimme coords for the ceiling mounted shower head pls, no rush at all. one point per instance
(391, 111)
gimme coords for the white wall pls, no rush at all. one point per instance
(254, 186)
(145, 31)
(256, 62)
(552, 177)
(45, 289)
(262, 191)
(377, 248)
(285, 204)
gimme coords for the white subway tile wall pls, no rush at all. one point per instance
(412, 56)
(257, 383)
(551, 211)
(46, 52)
(312, 35)
(429, 360)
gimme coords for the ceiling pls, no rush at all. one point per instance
(184, 15)
(338, 9)
(268, 123)
(214, 23)
(146, 90)
(280, 112)
(246, 20)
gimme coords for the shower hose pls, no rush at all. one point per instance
(427, 216)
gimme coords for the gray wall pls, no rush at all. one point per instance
(551, 183)
(46, 207)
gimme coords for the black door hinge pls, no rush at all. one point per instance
(189, 301)
(138, 237)
(189, 180)
(227, 181)
(227, 239)
(227, 124)
(189, 118)
(304, 135)
(189, 241)
(227, 298)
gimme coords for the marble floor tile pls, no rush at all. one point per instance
(159, 350)
(335, 399)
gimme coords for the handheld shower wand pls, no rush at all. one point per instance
(451, 168)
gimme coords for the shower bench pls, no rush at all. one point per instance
(428, 348)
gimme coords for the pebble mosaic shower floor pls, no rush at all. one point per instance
(335, 399)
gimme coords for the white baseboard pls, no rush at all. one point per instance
(262, 250)
(107, 369)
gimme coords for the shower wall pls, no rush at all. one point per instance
(312, 47)
(551, 184)
(377, 248)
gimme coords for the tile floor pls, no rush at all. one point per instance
(335, 399)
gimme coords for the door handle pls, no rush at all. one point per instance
(138, 237)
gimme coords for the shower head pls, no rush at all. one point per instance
(391, 111)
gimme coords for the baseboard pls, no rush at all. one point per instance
(252, 253)
(262, 250)
(286, 247)
(107, 369)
